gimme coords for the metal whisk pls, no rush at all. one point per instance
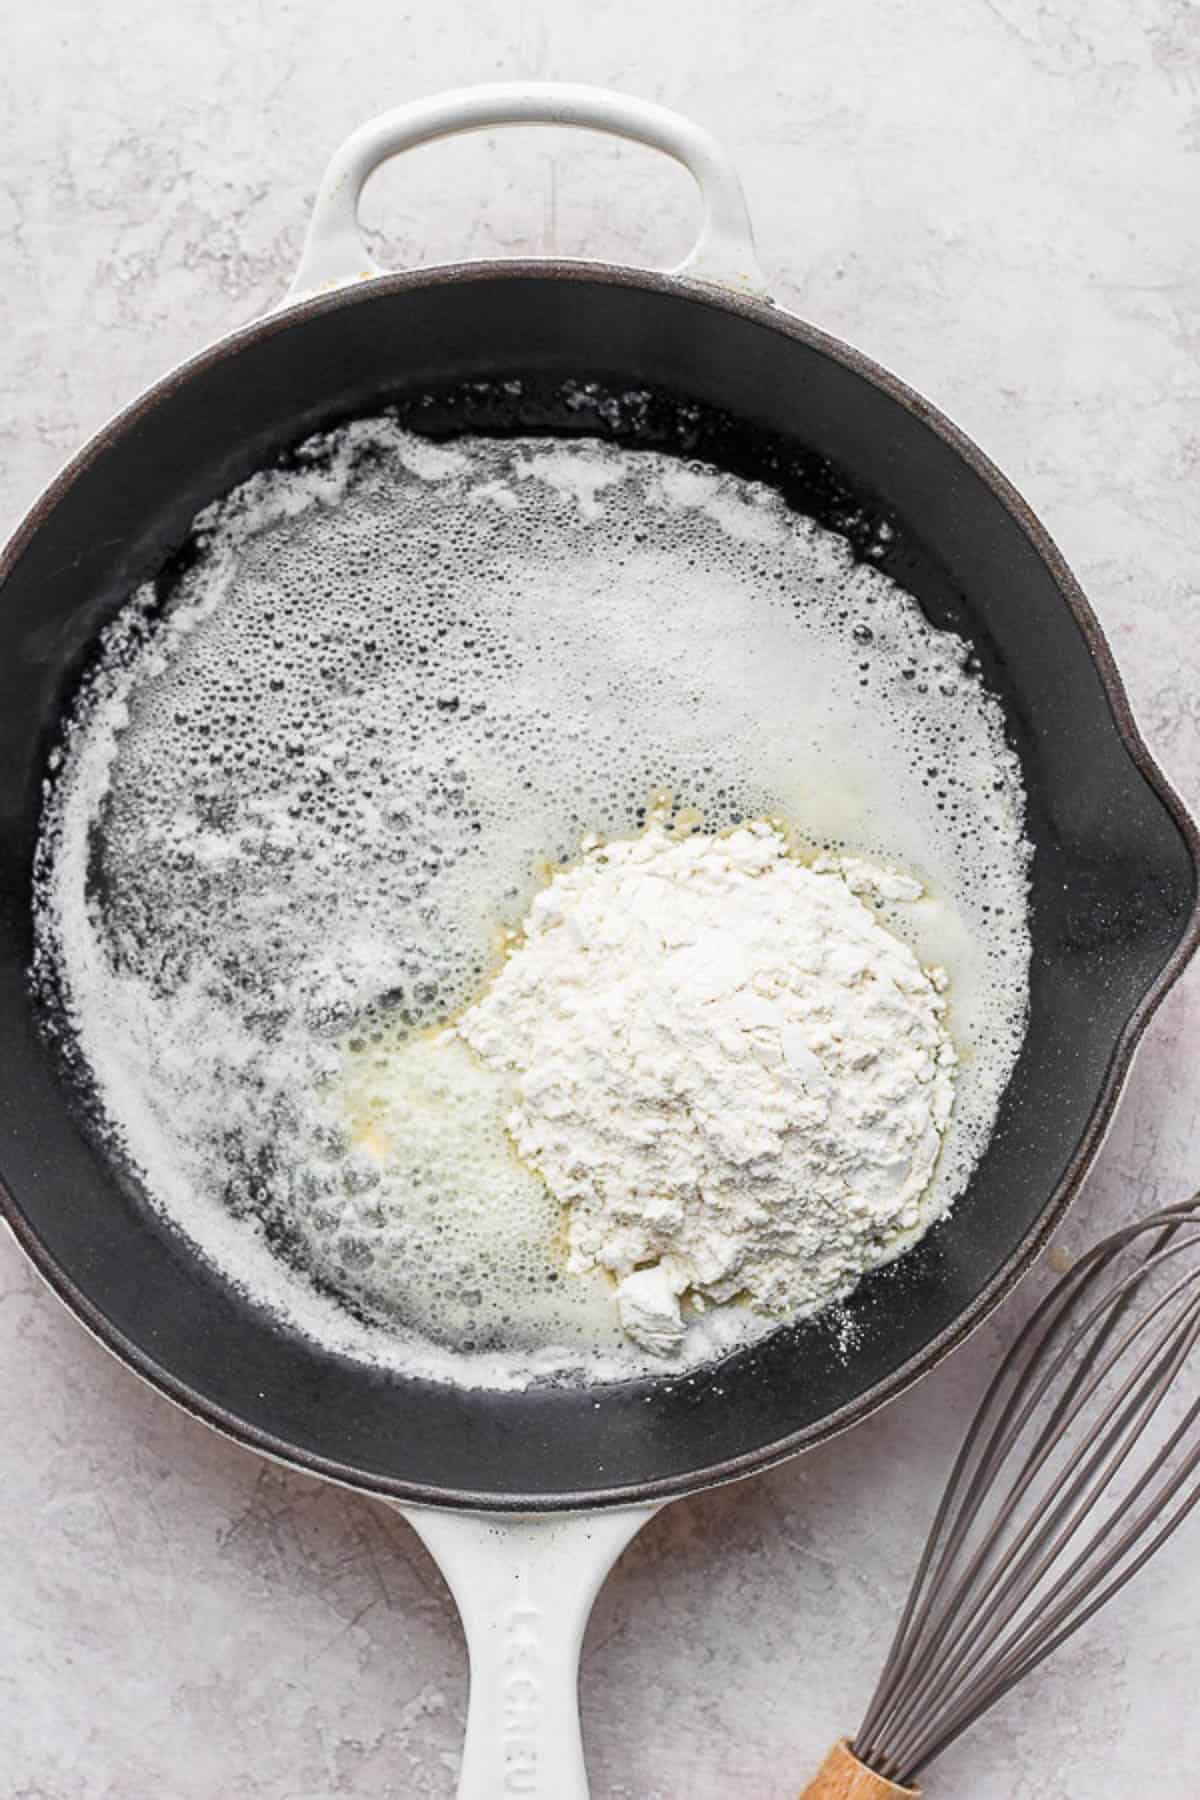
(1081, 1461)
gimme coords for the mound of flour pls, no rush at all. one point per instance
(732, 1074)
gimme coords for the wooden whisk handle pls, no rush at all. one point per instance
(842, 1777)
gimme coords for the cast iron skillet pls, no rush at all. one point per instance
(726, 376)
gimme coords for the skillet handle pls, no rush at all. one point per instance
(334, 253)
(524, 1588)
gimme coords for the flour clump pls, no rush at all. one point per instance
(732, 1074)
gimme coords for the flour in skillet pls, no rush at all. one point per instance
(735, 1079)
(298, 803)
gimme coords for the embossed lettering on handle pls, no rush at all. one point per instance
(524, 1588)
(523, 1699)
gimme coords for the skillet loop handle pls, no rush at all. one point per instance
(524, 1588)
(334, 253)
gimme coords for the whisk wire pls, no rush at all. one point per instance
(995, 1690)
(1047, 1514)
(940, 1621)
(927, 1584)
(1007, 1643)
(1074, 1611)
(1004, 1588)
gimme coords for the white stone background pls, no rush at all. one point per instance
(996, 198)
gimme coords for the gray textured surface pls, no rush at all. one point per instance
(998, 199)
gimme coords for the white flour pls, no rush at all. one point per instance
(736, 1079)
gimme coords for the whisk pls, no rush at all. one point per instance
(1081, 1461)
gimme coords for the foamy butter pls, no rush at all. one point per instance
(297, 801)
(447, 1214)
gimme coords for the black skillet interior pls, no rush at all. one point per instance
(1114, 897)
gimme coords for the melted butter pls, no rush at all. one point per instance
(320, 771)
(478, 1237)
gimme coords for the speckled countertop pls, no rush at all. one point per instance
(998, 199)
